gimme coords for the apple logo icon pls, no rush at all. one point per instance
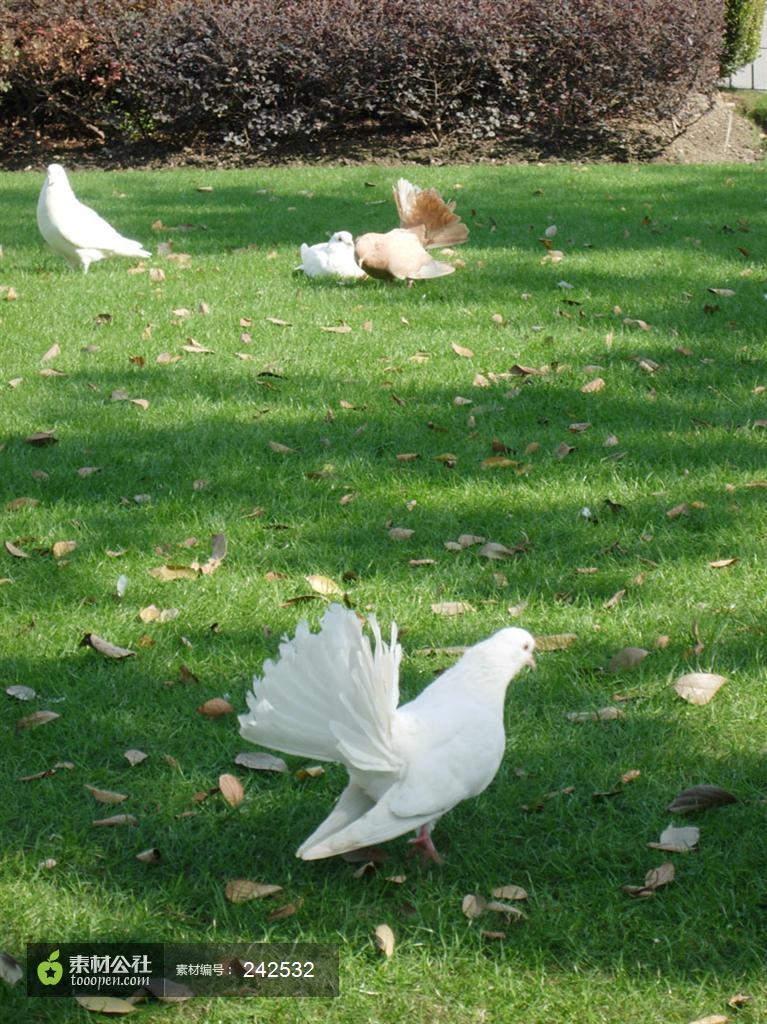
(49, 971)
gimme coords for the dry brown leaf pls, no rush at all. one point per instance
(338, 329)
(712, 1018)
(738, 1000)
(281, 449)
(497, 552)
(473, 906)
(723, 563)
(700, 798)
(217, 555)
(677, 840)
(261, 762)
(654, 880)
(679, 510)
(24, 502)
(465, 353)
(242, 889)
(41, 439)
(109, 650)
(510, 892)
(498, 462)
(231, 789)
(63, 547)
(699, 687)
(627, 657)
(323, 585)
(14, 550)
(115, 821)
(492, 936)
(110, 1005)
(134, 757)
(287, 911)
(196, 348)
(310, 771)
(555, 641)
(383, 937)
(597, 384)
(215, 707)
(150, 856)
(167, 573)
(451, 607)
(607, 714)
(35, 719)
(613, 601)
(563, 450)
(401, 533)
(106, 796)
(630, 776)
(511, 913)
(277, 322)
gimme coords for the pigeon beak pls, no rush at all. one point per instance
(530, 661)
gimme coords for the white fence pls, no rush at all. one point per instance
(752, 76)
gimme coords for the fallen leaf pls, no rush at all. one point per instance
(115, 821)
(383, 937)
(679, 510)
(563, 450)
(654, 879)
(196, 348)
(323, 585)
(698, 687)
(21, 692)
(724, 292)
(109, 650)
(281, 449)
(12, 549)
(607, 714)
(465, 353)
(555, 641)
(35, 719)
(593, 386)
(723, 563)
(338, 329)
(277, 322)
(401, 533)
(677, 840)
(510, 892)
(712, 1018)
(287, 911)
(498, 462)
(473, 906)
(700, 798)
(150, 856)
(310, 771)
(614, 600)
(41, 439)
(498, 552)
(231, 789)
(109, 1005)
(627, 657)
(215, 707)
(167, 573)
(242, 889)
(10, 968)
(451, 608)
(19, 503)
(106, 796)
(134, 757)
(261, 762)
(738, 1000)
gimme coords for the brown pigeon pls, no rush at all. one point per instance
(426, 221)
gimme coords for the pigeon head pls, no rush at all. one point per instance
(491, 664)
(55, 174)
(344, 237)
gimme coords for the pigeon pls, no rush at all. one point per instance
(334, 258)
(74, 230)
(331, 697)
(426, 221)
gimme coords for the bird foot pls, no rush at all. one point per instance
(424, 847)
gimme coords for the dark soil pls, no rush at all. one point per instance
(716, 132)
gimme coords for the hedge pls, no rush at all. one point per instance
(263, 77)
(742, 33)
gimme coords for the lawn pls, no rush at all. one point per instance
(284, 438)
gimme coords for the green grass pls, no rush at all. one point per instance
(752, 102)
(640, 243)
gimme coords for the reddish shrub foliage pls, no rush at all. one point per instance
(266, 77)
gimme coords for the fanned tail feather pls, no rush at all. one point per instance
(328, 696)
(427, 209)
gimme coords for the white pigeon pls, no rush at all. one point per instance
(330, 697)
(74, 230)
(334, 258)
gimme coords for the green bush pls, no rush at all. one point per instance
(742, 33)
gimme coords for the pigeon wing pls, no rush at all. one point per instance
(426, 209)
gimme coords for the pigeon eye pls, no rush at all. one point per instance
(525, 647)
